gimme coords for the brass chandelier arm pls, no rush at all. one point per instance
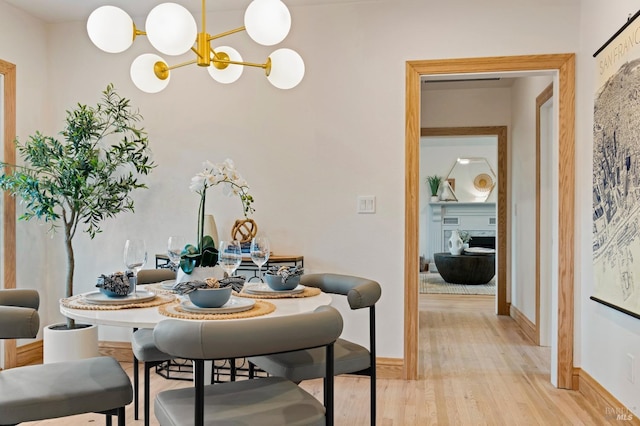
(161, 70)
(221, 60)
(182, 64)
(226, 33)
(249, 64)
(137, 32)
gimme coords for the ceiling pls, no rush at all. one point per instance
(79, 10)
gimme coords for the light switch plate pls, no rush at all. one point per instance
(366, 204)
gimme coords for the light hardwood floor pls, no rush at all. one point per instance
(476, 369)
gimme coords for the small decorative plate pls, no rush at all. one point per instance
(98, 298)
(264, 289)
(235, 304)
(483, 182)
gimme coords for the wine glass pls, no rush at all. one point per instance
(175, 245)
(230, 256)
(259, 253)
(135, 256)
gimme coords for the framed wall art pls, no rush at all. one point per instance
(616, 171)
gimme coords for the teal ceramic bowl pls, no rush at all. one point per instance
(275, 282)
(210, 297)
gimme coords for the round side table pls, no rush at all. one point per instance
(466, 268)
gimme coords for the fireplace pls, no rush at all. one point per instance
(483, 241)
(479, 219)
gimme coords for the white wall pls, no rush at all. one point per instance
(466, 107)
(607, 336)
(21, 43)
(340, 134)
(523, 191)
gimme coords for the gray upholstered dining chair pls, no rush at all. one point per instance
(350, 357)
(61, 389)
(262, 401)
(143, 347)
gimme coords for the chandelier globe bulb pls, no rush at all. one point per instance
(229, 73)
(143, 75)
(287, 69)
(111, 29)
(267, 21)
(171, 29)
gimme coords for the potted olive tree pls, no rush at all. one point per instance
(87, 176)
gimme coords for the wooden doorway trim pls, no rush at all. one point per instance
(502, 307)
(564, 65)
(541, 99)
(8, 71)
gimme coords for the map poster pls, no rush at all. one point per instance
(616, 171)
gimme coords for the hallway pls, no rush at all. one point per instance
(479, 368)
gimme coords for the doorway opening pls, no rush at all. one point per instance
(564, 65)
(500, 244)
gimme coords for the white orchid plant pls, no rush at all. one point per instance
(205, 253)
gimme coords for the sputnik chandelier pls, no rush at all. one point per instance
(172, 30)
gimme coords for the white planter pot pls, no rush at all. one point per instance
(69, 345)
(211, 229)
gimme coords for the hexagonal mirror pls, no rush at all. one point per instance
(471, 180)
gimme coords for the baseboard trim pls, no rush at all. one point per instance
(29, 354)
(390, 368)
(121, 351)
(525, 324)
(602, 399)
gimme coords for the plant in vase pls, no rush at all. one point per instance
(434, 185)
(204, 253)
(85, 178)
(465, 236)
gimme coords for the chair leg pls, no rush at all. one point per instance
(373, 397)
(252, 370)
(147, 391)
(232, 369)
(136, 387)
(121, 418)
(108, 421)
(373, 368)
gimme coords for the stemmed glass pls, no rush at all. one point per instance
(175, 245)
(259, 253)
(135, 256)
(230, 256)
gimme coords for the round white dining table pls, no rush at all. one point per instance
(149, 317)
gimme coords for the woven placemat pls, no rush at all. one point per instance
(158, 289)
(307, 292)
(174, 310)
(79, 302)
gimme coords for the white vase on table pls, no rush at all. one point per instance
(455, 243)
